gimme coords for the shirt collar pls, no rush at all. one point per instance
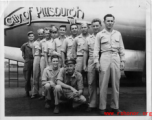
(105, 31)
(60, 37)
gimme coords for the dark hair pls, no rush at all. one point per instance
(108, 15)
(63, 26)
(29, 33)
(96, 20)
(54, 56)
(72, 25)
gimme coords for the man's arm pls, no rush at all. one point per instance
(33, 50)
(85, 56)
(122, 53)
(23, 51)
(46, 54)
(63, 51)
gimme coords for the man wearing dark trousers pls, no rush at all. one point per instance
(27, 55)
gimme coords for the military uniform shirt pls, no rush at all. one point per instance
(67, 46)
(27, 52)
(37, 47)
(106, 41)
(50, 47)
(58, 44)
(78, 45)
(89, 45)
(49, 74)
(75, 80)
(42, 45)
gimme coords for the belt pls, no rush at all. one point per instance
(37, 55)
(79, 55)
(109, 52)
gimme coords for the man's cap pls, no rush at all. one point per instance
(70, 61)
(30, 32)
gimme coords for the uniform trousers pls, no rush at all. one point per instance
(60, 92)
(42, 67)
(79, 64)
(28, 73)
(92, 87)
(110, 68)
(48, 87)
(36, 75)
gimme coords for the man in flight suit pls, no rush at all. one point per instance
(36, 63)
(69, 85)
(27, 55)
(88, 58)
(68, 42)
(110, 43)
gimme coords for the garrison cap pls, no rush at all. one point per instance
(70, 61)
(30, 32)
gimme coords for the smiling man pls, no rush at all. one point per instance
(66, 49)
(48, 79)
(110, 64)
(69, 85)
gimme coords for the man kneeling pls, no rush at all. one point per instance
(69, 85)
(48, 79)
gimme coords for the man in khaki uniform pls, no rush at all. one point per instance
(50, 44)
(68, 42)
(42, 61)
(59, 41)
(90, 68)
(69, 85)
(48, 79)
(36, 63)
(78, 45)
(110, 43)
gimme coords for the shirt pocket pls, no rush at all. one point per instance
(105, 43)
(116, 42)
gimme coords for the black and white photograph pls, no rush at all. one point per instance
(77, 58)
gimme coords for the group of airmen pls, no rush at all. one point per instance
(63, 63)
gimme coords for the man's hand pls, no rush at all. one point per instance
(122, 66)
(97, 65)
(85, 68)
(73, 89)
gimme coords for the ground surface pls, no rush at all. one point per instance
(132, 99)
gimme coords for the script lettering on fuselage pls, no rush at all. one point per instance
(27, 15)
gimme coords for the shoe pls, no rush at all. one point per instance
(27, 94)
(42, 98)
(89, 109)
(34, 96)
(56, 109)
(116, 111)
(47, 104)
(101, 112)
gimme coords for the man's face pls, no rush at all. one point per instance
(70, 68)
(62, 30)
(84, 28)
(96, 27)
(54, 33)
(31, 37)
(47, 34)
(109, 22)
(55, 62)
(41, 35)
(74, 30)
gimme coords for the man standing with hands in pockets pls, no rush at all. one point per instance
(112, 60)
